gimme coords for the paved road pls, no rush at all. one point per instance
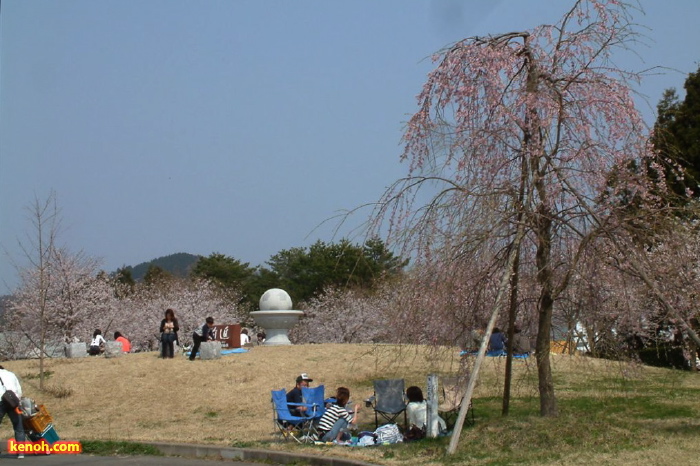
(89, 460)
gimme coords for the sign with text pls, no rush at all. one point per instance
(228, 335)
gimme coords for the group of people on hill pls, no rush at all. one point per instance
(98, 343)
(169, 328)
(340, 418)
(168, 335)
(498, 341)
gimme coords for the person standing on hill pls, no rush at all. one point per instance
(205, 333)
(9, 381)
(168, 334)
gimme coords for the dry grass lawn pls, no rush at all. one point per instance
(139, 397)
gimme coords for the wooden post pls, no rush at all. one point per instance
(432, 426)
(502, 288)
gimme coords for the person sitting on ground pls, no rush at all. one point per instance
(294, 395)
(417, 411)
(245, 339)
(204, 333)
(126, 345)
(261, 337)
(521, 343)
(336, 422)
(97, 345)
(497, 342)
(476, 337)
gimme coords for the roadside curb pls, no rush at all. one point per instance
(250, 454)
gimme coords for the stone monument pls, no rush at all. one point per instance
(276, 316)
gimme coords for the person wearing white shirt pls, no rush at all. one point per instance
(98, 343)
(9, 381)
(245, 339)
(417, 410)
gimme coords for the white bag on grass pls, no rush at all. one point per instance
(388, 433)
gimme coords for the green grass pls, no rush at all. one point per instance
(32, 375)
(599, 416)
(107, 448)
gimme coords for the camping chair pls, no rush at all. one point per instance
(296, 427)
(450, 395)
(388, 401)
(314, 397)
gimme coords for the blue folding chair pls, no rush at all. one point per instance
(314, 397)
(389, 401)
(290, 426)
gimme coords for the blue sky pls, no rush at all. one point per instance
(235, 126)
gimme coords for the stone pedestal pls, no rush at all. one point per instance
(210, 350)
(113, 349)
(276, 316)
(76, 350)
(276, 325)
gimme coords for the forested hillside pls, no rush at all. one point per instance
(178, 264)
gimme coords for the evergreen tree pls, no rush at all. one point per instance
(125, 277)
(156, 276)
(677, 134)
(305, 273)
(227, 273)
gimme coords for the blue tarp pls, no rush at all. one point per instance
(226, 351)
(493, 354)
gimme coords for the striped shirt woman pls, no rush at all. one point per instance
(334, 422)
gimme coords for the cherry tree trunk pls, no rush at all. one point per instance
(512, 311)
(548, 402)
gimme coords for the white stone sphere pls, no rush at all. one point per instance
(275, 299)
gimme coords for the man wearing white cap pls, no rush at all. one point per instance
(294, 395)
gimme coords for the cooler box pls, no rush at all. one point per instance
(49, 435)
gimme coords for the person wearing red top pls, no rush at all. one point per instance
(126, 346)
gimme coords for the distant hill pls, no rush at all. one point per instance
(179, 264)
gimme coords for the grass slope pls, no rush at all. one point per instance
(610, 413)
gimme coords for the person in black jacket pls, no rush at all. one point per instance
(168, 334)
(295, 396)
(202, 334)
